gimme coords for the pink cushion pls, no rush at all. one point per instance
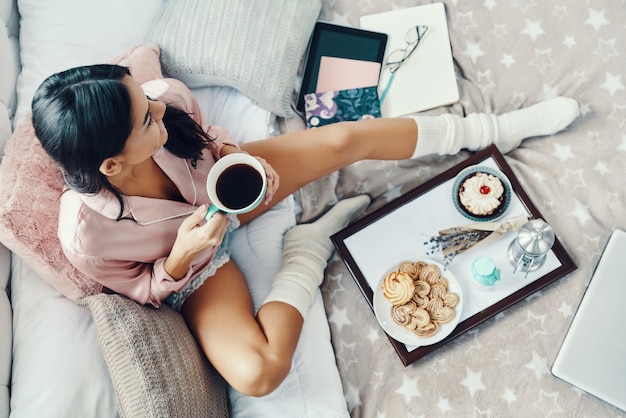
(143, 61)
(30, 188)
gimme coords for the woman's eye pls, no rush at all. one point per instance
(151, 120)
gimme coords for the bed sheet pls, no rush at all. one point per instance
(507, 55)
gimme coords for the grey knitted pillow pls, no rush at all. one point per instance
(253, 46)
(154, 362)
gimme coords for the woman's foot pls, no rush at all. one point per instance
(307, 248)
(448, 133)
(544, 118)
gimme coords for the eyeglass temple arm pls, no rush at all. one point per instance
(386, 89)
(393, 73)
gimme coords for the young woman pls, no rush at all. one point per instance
(133, 215)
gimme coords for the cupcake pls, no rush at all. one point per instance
(481, 194)
(484, 272)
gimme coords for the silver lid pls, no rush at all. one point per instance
(536, 237)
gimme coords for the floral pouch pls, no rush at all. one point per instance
(341, 105)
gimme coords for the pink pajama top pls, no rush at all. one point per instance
(127, 256)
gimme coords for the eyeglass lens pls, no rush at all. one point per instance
(398, 56)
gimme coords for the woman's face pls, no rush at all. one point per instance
(148, 133)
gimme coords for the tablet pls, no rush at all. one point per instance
(337, 41)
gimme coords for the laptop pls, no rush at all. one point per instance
(593, 354)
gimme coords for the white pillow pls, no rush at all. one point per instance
(6, 331)
(57, 366)
(56, 35)
(9, 68)
(253, 46)
(229, 108)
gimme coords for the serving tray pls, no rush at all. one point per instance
(401, 229)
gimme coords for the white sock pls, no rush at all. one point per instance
(307, 248)
(447, 134)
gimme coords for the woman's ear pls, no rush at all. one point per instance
(110, 166)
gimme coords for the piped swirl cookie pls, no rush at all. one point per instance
(419, 297)
(398, 287)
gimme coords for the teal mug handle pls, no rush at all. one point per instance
(212, 211)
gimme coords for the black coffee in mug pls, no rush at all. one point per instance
(238, 186)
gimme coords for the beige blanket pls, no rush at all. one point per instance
(508, 55)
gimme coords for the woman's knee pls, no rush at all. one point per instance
(343, 140)
(257, 374)
(344, 137)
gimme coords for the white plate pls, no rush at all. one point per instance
(382, 310)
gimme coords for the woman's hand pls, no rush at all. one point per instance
(194, 236)
(273, 180)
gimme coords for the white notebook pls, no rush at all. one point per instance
(426, 79)
(593, 354)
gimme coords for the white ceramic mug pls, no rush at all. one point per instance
(235, 184)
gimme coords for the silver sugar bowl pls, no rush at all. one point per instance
(528, 251)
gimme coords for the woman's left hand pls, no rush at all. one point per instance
(273, 180)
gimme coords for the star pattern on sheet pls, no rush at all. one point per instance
(524, 5)
(618, 114)
(538, 365)
(560, 12)
(374, 334)
(612, 83)
(581, 212)
(465, 21)
(511, 54)
(503, 357)
(533, 29)
(509, 396)
(473, 51)
(352, 395)
(543, 59)
(606, 49)
(339, 318)
(507, 60)
(473, 381)
(443, 405)
(566, 309)
(573, 179)
(408, 389)
(499, 30)
(547, 403)
(602, 168)
(593, 138)
(569, 41)
(563, 152)
(534, 324)
(596, 19)
(337, 286)
(592, 245)
(393, 192)
(484, 80)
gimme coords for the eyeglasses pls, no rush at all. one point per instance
(397, 57)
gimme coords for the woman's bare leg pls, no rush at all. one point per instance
(252, 354)
(302, 157)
